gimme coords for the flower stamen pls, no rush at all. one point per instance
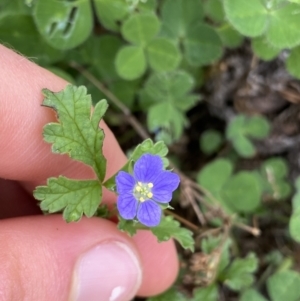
(142, 191)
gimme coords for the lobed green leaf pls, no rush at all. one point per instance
(77, 133)
(169, 228)
(74, 197)
(239, 275)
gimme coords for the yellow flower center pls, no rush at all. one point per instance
(143, 191)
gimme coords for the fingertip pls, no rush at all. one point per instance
(160, 263)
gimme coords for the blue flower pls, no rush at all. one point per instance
(141, 193)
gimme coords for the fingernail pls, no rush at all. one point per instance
(108, 272)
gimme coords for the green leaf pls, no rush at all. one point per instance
(110, 12)
(241, 128)
(210, 244)
(284, 285)
(280, 24)
(147, 146)
(13, 7)
(63, 24)
(19, 32)
(214, 175)
(214, 10)
(275, 171)
(140, 29)
(248, 17)
(166, 115)
(170, 295)
(244, 146)
(239, 275)
(229, 36)
(257, 127)
(209, 293)
(210, 141)
(263, 49)
(169, 228)
(284, 23)
(234, 194)
(131, 62)
(72, 196)
(169, 86)
(275, 167)
(128, 226)
(293, 62)
(294, 225)
(147, 6)
(202, 45)
(252, 295)
(163, 55)
(178, 15)
(77, 133)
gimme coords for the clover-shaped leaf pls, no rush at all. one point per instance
(111, 12)
(293, 62)
(178, 15)
(214, 10)
(140, 29)
(287, 292)
(181, 22)
(230, 37)
(63, 24)
(249, 18)
(241, 128)
(274, 172)
(202, 45)
(263, 49)
(233, 192)
(169, 95)
(210, 141)
(131, 62)
(163, 55)
(229, 190)
(279, 22)
(160, 54)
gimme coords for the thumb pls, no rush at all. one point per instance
(42, 258)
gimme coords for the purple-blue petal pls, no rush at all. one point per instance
(127, 206)
(164, 185)
(147, 168)
(125, 182)
(149, 213)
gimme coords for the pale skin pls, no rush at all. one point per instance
(38, 253)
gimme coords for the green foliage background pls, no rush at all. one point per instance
(153, 55)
